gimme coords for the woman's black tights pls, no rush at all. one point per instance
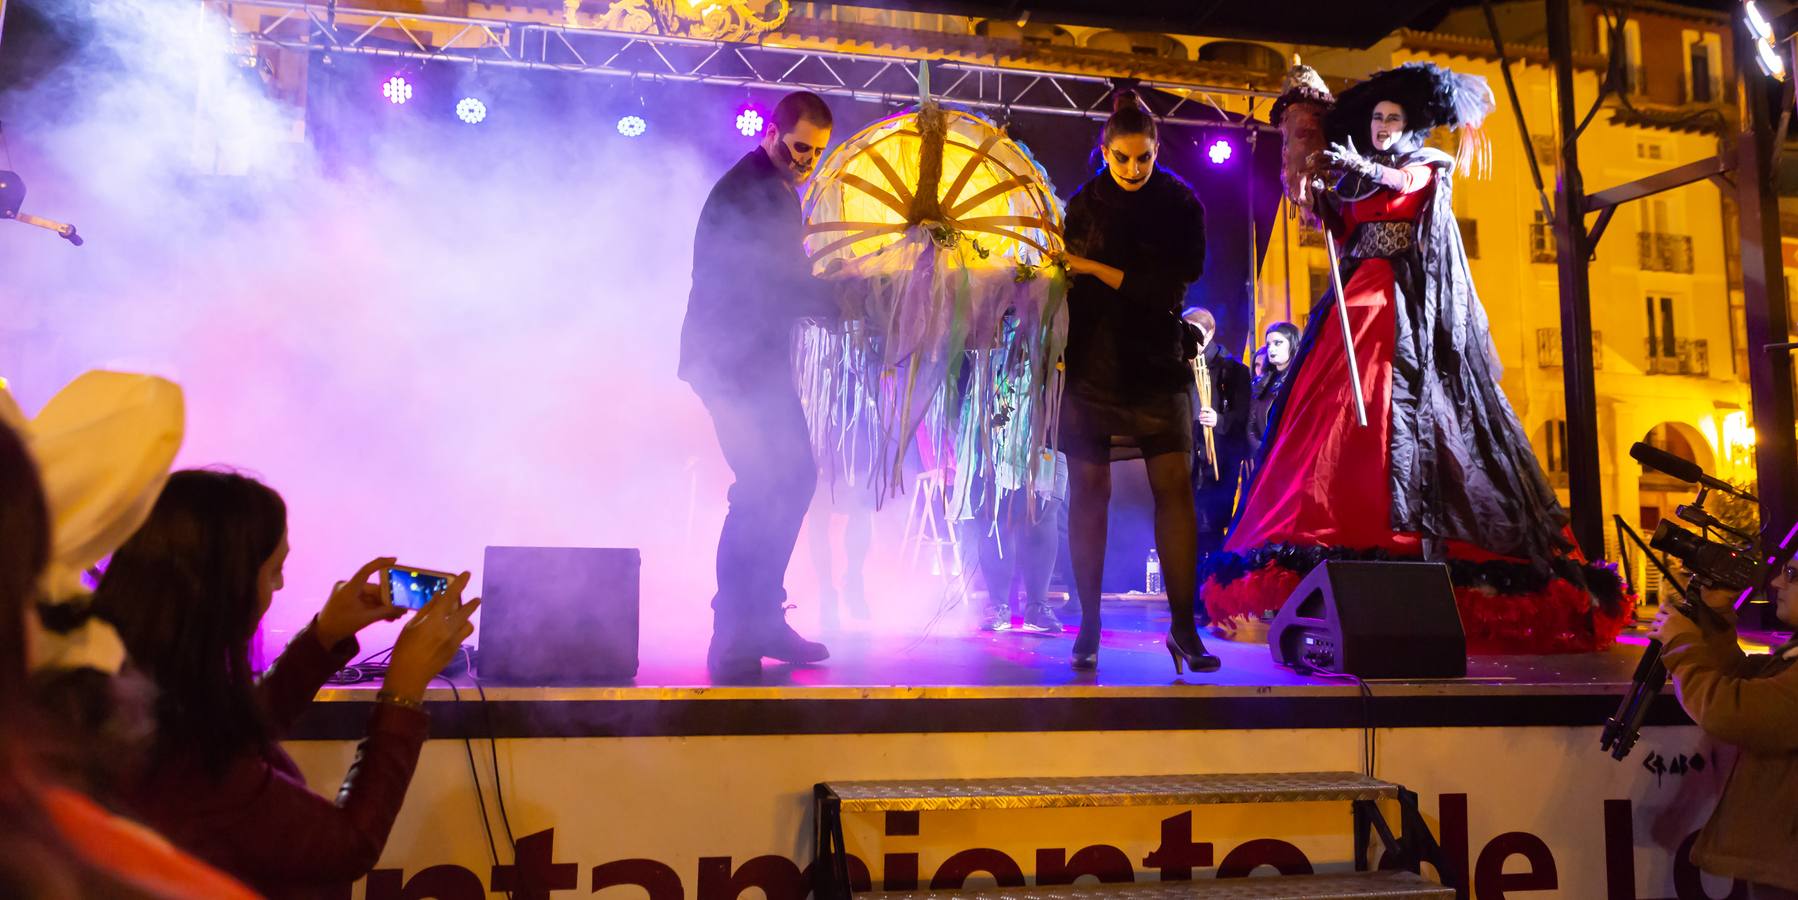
(1176, 537)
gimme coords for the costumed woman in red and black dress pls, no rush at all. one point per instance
(1136, 240)
(1443, 469)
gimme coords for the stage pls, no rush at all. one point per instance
(961, 679)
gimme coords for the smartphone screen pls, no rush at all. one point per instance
(413, 588)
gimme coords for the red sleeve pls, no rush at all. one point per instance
(287, 688)
(283, 832)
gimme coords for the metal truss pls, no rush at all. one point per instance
(329, 28)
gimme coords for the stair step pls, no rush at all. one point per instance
(1145, 790)
(1343, 886)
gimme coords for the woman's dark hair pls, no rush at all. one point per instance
(1129, 115)
(24, 552)
(183, 593)
(35, 861)
(1288, 329)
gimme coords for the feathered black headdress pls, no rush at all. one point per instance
(1433, 97)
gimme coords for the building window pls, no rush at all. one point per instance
(1648, 150)
(1667, 352)
(1554, 445)
(1320, 284)
(1542, 239)
(1470, 236)
(1661, 338)
(1700, 87)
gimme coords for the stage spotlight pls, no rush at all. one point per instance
(397, 90)
(1220, 152)
(632, 126)
(1766, 44)
(750, 121)
(471, 110)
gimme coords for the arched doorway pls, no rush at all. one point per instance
(1660, 494)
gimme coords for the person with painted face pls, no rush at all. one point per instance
(1750, 702)
(751, 284)
(1214, 479)
(1281, 338)
(1442, 469)
(1136, 241)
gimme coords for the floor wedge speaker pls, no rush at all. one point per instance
(1372, 619)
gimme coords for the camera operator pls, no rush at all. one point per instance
(1751, 702)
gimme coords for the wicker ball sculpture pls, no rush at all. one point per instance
(947, 232)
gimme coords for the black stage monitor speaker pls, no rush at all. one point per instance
(559, 616)
(1374, 620)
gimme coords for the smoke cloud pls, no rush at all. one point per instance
(428, 349)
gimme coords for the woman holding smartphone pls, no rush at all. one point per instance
(186, 594)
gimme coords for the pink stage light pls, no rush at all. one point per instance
(397, 90)
(751, 120)
(1220, 152)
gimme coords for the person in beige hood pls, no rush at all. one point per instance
(1751, 702)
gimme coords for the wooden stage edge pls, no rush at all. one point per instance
(1014, 683)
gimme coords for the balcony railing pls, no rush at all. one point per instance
(1689, 357)
(1664, 252)
(1542, 242)
(1548, 348)
(1310, 237)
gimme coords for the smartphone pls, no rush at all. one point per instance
(410, 588)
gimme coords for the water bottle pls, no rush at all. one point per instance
(1155, 585)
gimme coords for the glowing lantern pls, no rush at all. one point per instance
(987, 186)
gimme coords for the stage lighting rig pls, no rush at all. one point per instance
(397, 90)
(750, 120)
(471, 110)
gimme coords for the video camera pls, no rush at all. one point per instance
(1734, 565)
(1723, 566)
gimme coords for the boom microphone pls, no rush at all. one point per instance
(1683, 469)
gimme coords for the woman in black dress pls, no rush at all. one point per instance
(1136, 240)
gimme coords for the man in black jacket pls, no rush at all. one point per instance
(1214, 488)
(751, 284)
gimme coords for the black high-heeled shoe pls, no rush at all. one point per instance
(1194, 657)
(1085, 660)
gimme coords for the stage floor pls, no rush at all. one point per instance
(956, 679)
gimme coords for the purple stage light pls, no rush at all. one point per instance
(751, 120)
(397, 90)
(1219, 152)
(471, 110)
(632, 126)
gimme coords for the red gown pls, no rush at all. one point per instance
(1324, 478)
(1324, 486)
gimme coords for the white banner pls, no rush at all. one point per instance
(1526, 812)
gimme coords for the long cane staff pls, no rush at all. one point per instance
(1348, 337)
(1202, 374)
